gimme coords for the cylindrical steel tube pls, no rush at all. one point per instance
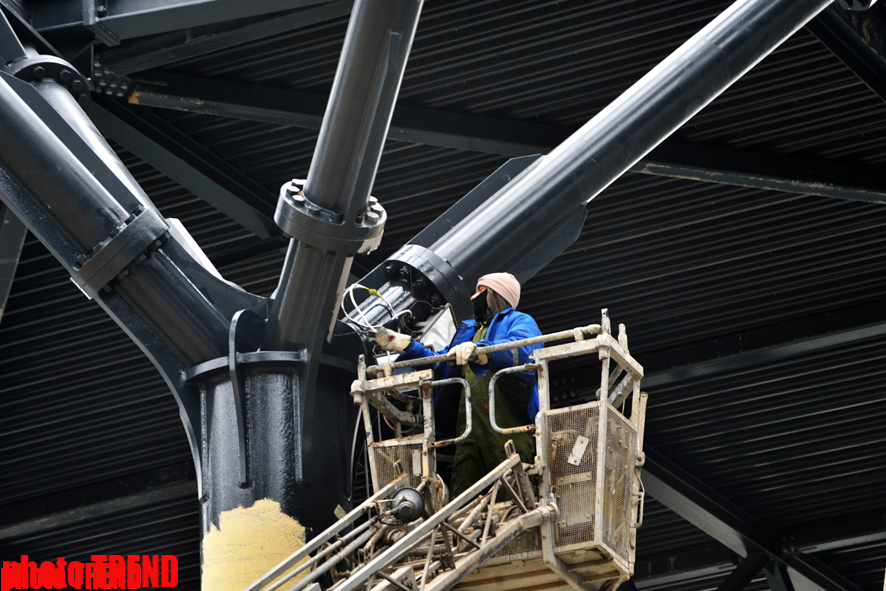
(469, 420)
(509, 345)
(352, 136)
(303, 305)
(503, 372)
(535, 204)
(361, 103)
(64, 189)
(63, 102)
(87, 212)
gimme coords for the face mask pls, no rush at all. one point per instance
(481, 306)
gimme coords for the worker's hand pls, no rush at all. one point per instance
(392, 341)
(465, 351)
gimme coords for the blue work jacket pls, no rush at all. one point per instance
(507, 325)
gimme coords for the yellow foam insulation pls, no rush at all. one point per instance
(248, 543)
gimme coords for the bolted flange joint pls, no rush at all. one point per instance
(43, 67)
(317, 226)
(144, 230)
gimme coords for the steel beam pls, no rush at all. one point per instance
(695, 502)
(190, 165)
(169, 48)
(745, 349)
(766, 355)
(847, 530)
(116, 20)
(777, 576)
(744, 572)
(514, 138)
(858, 39)
(765, 171)
(12, 239)
(305, 110)
(96, 500)
(752, 347)
(676, 567)
(730, 525)
(808, 573)
(11, 48)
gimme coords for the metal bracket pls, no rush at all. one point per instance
(93, 12)
(247, 332)
(11, 48)
(307, 222)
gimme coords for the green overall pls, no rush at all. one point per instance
(483, 450)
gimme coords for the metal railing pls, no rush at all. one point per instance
(577, 333)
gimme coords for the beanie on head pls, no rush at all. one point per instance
(504, 284)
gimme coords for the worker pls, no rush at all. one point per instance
(495, 321)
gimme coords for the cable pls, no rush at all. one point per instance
(362, 322)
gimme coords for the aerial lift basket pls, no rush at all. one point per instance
(570, 519)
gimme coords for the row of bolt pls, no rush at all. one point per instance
(109, 83)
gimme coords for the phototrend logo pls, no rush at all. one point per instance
(104, 572)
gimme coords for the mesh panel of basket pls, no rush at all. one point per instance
(621, 442)
(385, 456)
(574, 486)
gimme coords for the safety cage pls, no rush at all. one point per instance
(568, 519)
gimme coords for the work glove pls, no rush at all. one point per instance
(392, 341)
(465, 351)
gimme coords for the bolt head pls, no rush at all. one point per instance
(77, 85)
(64, 75)
(39, 72)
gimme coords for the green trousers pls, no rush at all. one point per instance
(483, 450)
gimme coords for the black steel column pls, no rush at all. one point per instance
(278, 425)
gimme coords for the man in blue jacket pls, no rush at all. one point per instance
(516, 403)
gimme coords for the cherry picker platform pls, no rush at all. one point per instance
(568, 520)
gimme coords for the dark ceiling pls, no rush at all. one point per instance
(746, 255)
